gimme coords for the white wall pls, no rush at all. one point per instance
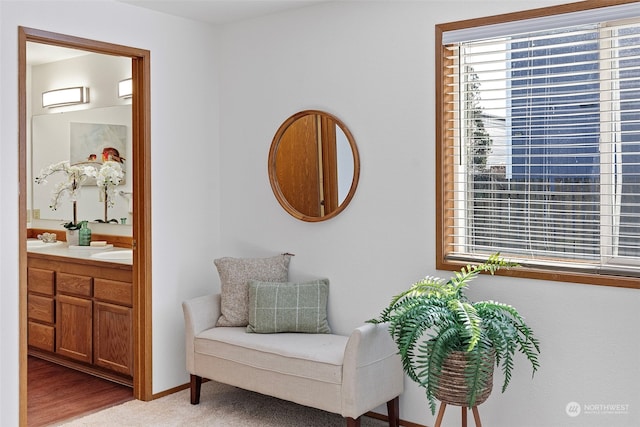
(184, 150)
(372, 65)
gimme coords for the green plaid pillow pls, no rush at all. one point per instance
(288, 307)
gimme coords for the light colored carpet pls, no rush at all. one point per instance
(220, 405)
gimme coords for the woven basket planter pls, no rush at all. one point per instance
(452, 388)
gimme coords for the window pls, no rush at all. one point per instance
(539, 143)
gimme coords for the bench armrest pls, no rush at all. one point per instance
(372, 370)
(200, 314)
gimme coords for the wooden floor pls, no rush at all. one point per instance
(56, 393)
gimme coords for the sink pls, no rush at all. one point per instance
(39, 244)
(119, 255)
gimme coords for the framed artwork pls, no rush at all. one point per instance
(97, 142)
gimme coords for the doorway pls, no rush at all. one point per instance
(141, 199)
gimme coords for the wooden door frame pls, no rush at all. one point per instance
(141, 241)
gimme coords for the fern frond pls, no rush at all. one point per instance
(467, 316)
(528, 344)
(461, 278)
(425, 288)
(515, 331)
(430, 286)
(494, 262)
(478, 370)
(432, 355)
(502, 335)
(413, 319)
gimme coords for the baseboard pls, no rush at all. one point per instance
(385, 418)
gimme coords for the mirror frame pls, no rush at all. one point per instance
(273, 178)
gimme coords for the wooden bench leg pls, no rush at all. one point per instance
(393, 412)
(351, 422)
(196, 385)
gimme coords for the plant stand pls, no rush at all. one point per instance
(476, 415)
(453, 390)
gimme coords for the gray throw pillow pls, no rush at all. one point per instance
(235, 274)
(288, 307)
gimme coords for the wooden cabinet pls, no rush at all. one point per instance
(41, 308)
(74, 324)
(113, 337)
(74, 316)
(80, 313)
(113, 325)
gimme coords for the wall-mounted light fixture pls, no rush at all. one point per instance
(125, 89)
(67, 96)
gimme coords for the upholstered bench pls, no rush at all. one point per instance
(345, 375)
(266, 334)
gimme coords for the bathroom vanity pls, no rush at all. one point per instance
(80, 311)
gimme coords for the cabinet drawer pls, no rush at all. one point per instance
(74, 284)
(41, 281)
(41, 336)
(113, 291)
(40, 308)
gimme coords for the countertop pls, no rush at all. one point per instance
(63, 250)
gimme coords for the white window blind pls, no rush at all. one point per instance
(507, 29)
(544, 146)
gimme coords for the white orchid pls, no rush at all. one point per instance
(108, 177)
(77, 175)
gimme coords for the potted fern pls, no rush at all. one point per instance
(450, 345)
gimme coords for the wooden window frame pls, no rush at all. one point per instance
(445, 170)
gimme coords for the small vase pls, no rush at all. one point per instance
(72, 237)
(84, 234)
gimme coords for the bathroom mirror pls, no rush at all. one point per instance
(74, 136)
(314, 166)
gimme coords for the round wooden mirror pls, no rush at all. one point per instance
(313, 166)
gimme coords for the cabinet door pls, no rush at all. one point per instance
(113, 337)
(74, 327)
